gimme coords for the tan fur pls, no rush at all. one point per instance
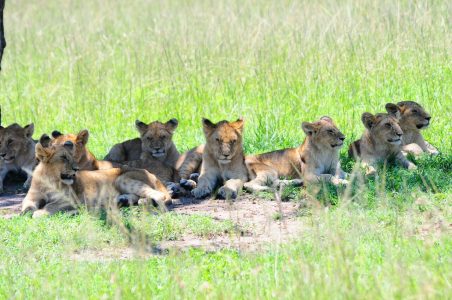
(381, 140)
(414, 118)
(222, 160)
(57, 185)
(156, 138)
(314, 161)
(83, 157)
(17, 151)
(188, 164)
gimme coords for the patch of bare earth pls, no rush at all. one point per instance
(260, 224)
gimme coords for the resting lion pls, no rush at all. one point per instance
(413, 118)
(58, 185)
(17, 151)
(222, 160)
(316, 160)
(381, 140)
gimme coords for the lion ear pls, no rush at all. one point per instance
(238, 125)
(171, 125)
(42, 153)
(309, 128)
(44, 140)
(393, 110)
(56, 134)
(141, 127)
(368, 120)
(208, 126)
(327, 119)
(82, 137)
(29, 130)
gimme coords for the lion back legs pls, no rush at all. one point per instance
(264, 179)
(116, 154)
(145, 186)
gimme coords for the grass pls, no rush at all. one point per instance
(102, 64)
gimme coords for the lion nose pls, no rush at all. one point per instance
(226, 155)
(399, 134)
(2, 154)
(342, 138)
(428, 118)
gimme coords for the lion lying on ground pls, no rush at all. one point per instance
(314, 161)
(413, 118)
(222, 160)
(381, 140)
(17, 151)
(58, 185)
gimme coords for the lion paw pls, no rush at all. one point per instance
(226, 193)
(188, 184)
(200, 192)
(338, 181)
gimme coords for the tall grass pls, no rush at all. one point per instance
(100, 65)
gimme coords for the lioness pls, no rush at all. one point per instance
(17, 151)
(381, 141)
(413, 118)
(58, 185)
(82, 156)
(156, 138)
(315, 160)
(222, 160)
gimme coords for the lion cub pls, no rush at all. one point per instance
(156, 138)
(82, 156)
(58, 185)
(316, 160)
(413, 118)
(17, 151)
(381, 141)
(222, 160)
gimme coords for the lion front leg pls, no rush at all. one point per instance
(404, 162)
(206, 184)
(431, 149)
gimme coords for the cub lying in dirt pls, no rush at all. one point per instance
(58, 185)
(315, 160)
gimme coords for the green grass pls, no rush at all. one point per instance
(100, 65)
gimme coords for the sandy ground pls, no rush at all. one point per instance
(259, 222)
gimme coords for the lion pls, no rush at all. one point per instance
(381, 140)
(414, 118)
(156, 138)
(316, 160)
(17, 151)
(223, 161)
(84, 158)
(58, 185)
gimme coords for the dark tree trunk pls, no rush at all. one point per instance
(2, 32)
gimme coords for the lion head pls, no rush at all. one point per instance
(413, 116)
(223, 139)
(57, 160)
(79, 141)
(15, 141)
(324, 133)
(384, 128)
(156, 137)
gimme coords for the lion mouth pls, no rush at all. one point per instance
(224, 161)
(67, 178)
(336, 145)
(9, 159)
(395, 141)
(158, 153)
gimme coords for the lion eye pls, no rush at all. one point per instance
(10, 141)
(217, 139)
(414, 111)
(330, 131)
(233, 141)
(150, 139)
(64, 158)
(388, 125)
